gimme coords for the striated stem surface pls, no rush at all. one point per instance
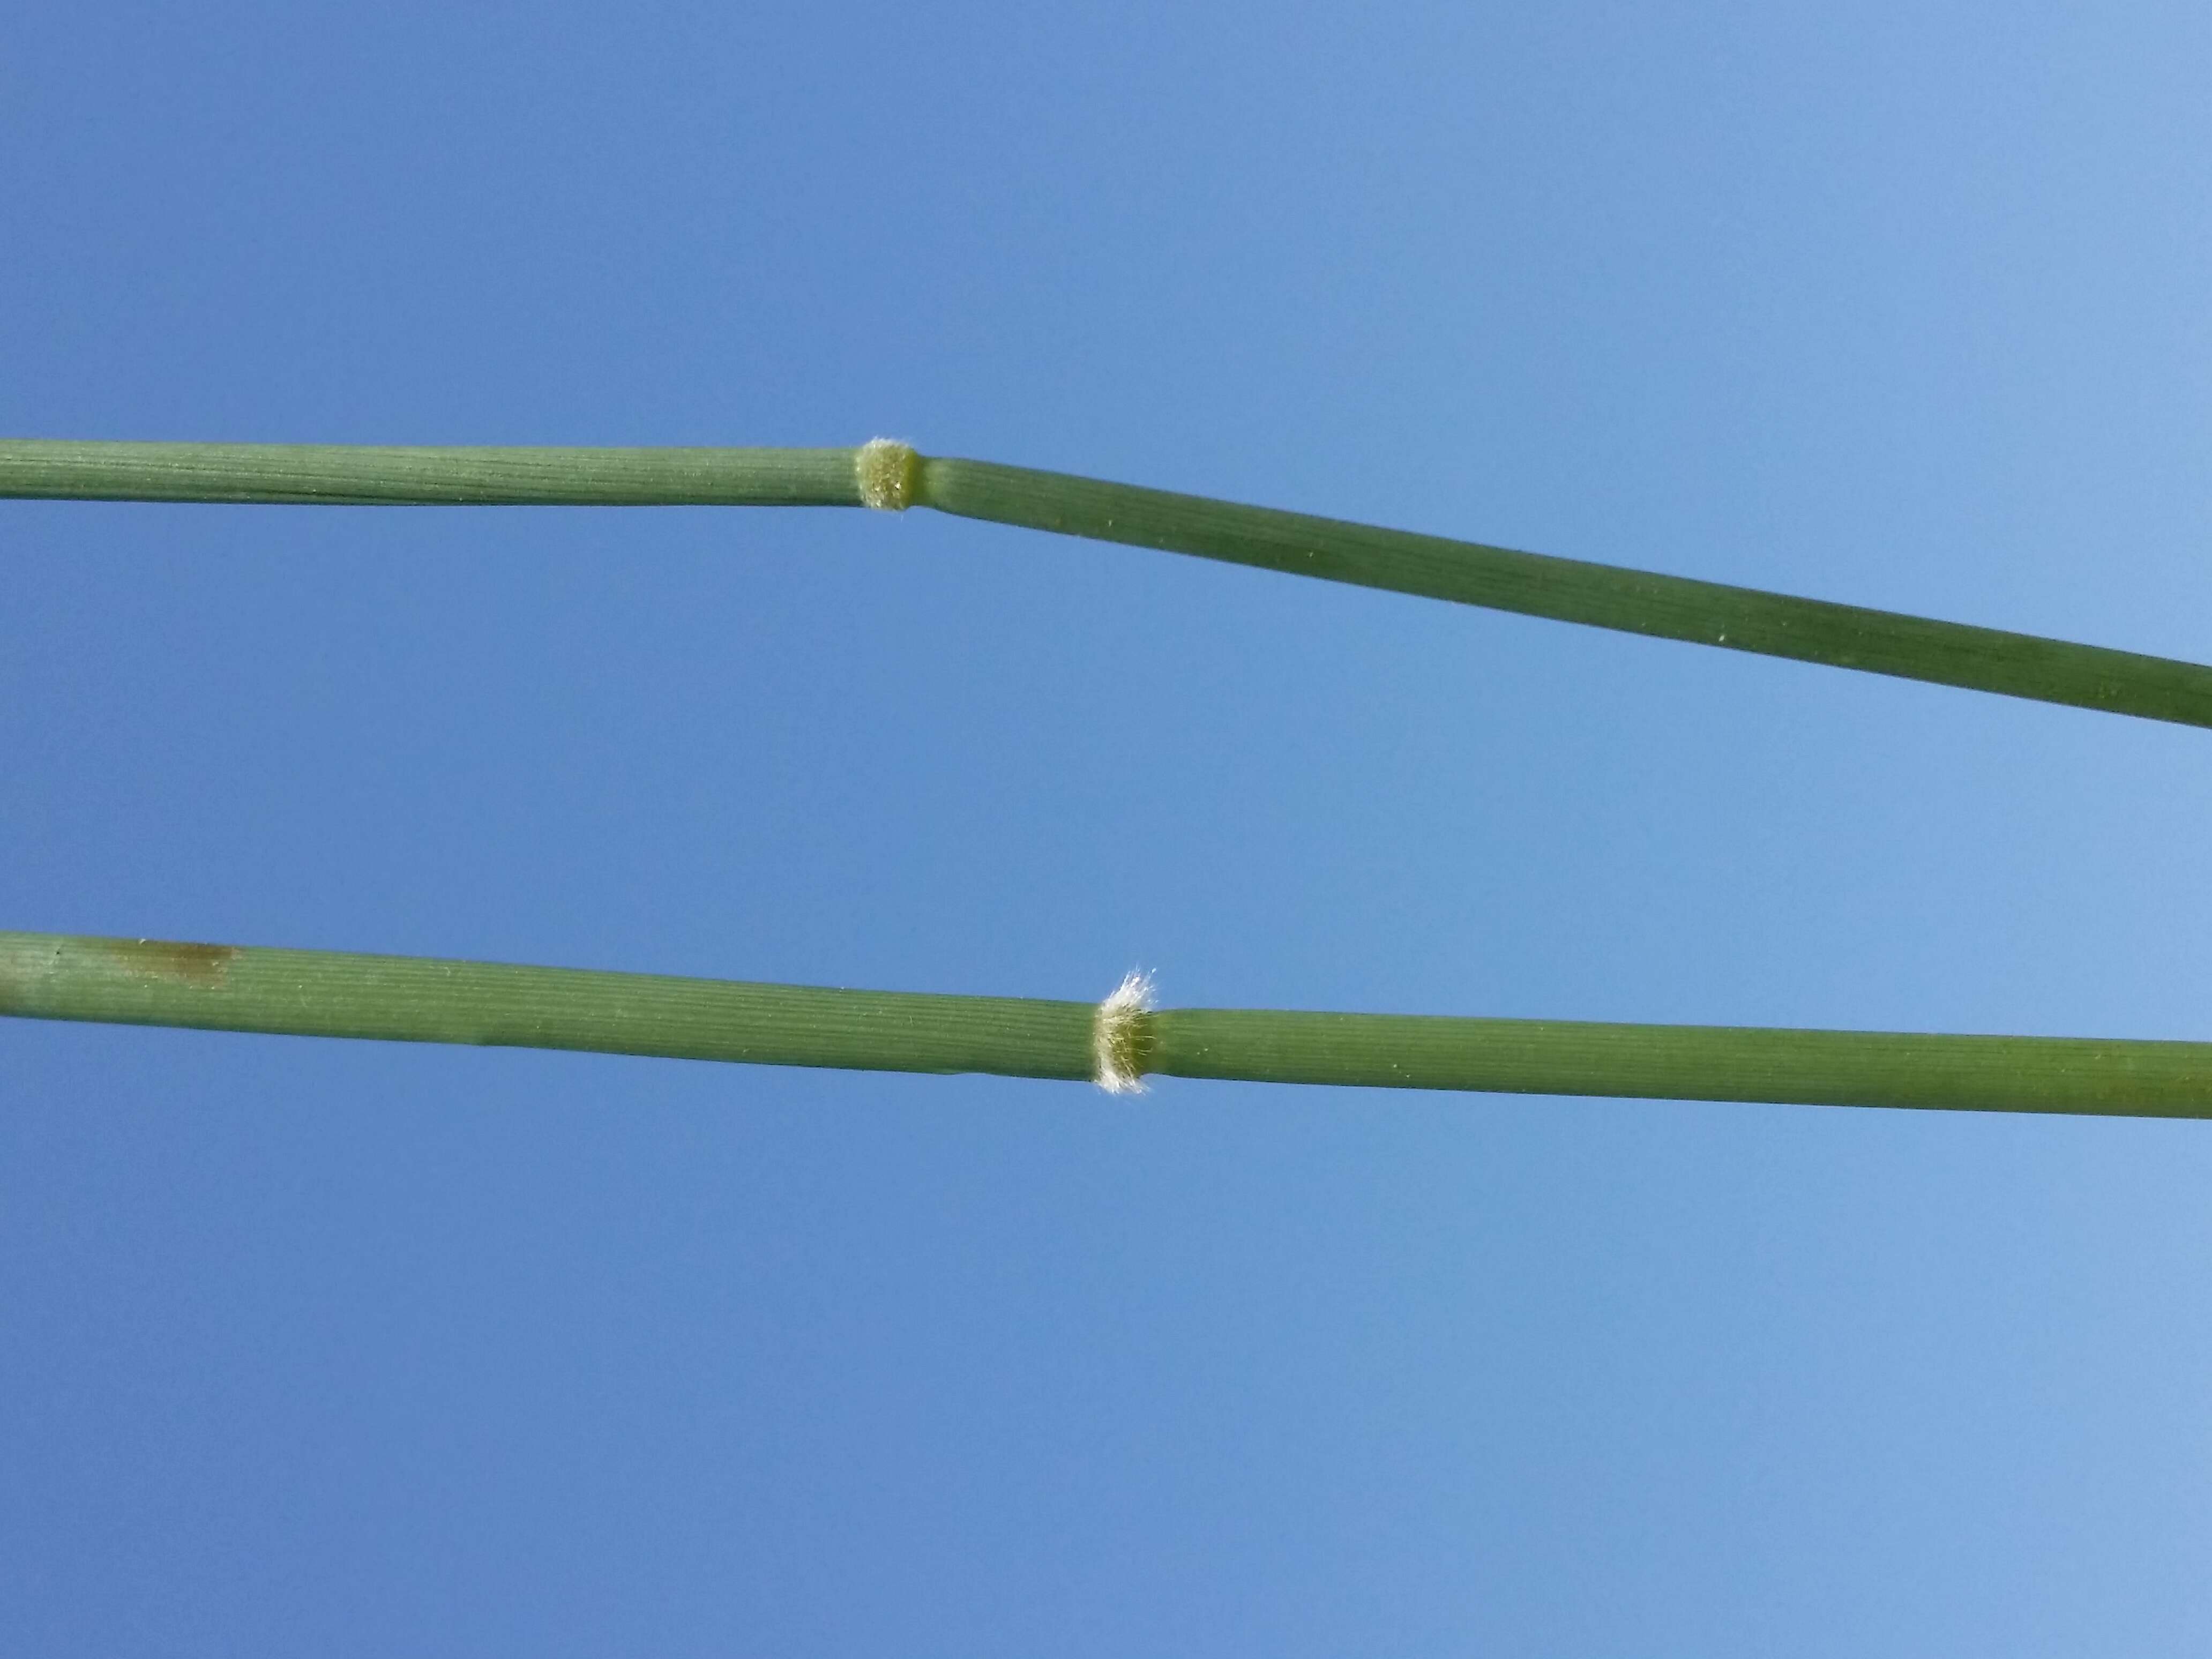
(419, 1000)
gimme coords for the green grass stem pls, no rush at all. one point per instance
(406, 999)
(332, 993)
(340, 475)
(1570, 590)
(882, 475)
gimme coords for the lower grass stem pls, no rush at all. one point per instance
(421, 999)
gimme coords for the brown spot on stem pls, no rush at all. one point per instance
(205, 966)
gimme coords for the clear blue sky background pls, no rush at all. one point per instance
(369, 1349)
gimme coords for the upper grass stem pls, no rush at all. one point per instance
(890, 476)
(1571, 590)
(418, 1000)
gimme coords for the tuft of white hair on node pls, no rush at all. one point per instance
(1118, 1037)
(886, 471)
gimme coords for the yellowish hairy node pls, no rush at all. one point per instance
(1121, 1035)
(886, 470)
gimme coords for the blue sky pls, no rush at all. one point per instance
(366, 1348)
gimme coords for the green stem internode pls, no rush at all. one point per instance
(1570, 590)
(349, 474)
